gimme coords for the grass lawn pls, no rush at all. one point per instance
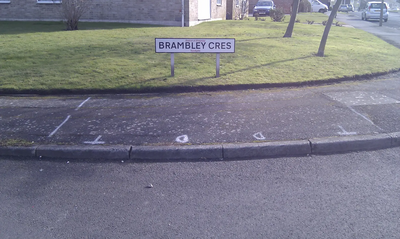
(40, 56)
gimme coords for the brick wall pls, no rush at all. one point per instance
(28, 9)
(285, 4)
(218, 12)
(166, 12)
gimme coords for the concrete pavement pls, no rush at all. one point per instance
(352, 116)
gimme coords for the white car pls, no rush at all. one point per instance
(373, 11)
(318, 6)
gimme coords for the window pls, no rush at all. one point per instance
(4, 1)
(48, 1)
(219, 2)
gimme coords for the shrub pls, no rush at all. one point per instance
(298, 20)
(277, 15)
(72, 10)
(324, 23)
(304, 6)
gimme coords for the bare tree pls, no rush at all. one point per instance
(244, 9)
(293, 15)
(321, 49)
(72, 10)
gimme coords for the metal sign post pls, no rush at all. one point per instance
(217, 74)
(172, 65)
(195, 45)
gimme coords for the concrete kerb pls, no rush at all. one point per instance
(395, 139)
(83, 152)
(266, 150)
(351, 143)
(171, 153)
(239, 151)
(18, 151)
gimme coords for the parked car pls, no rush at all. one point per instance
(317, 6)
(263, 7)
(350, 8)
(373, 11)
(343, 8)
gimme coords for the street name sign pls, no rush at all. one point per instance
(195, 45)
(192, 45)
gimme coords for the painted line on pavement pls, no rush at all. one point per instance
(182, 139)
(364, 117)
(344, 132)
(83, 103)
(259, 136)
(96, 141)
(65, 121)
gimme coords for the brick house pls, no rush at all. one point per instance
(163, 12)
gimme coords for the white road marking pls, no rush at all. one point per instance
(344, 132)
(259, 136)
(82, 103)
(182, 139)
(364, 117)
(65, 121)
(361, 98)
(96, 141)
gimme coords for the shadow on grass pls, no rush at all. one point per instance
(194, 81)
(255, 39)
(17, 27)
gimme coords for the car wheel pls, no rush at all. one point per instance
(386, 20)
(362, 17)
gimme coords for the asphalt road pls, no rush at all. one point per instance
(389, 31)
(393, 22)
(352, 195)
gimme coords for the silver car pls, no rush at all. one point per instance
(343, 8)
(373, 11)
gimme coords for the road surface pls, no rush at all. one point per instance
(352, 195)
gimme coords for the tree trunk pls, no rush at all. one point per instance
(321, 49)
(289, 29)
(381, 16)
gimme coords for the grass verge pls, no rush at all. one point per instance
(41, 57)
(15, 142)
